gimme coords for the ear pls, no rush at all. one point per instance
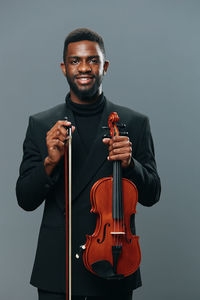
(63, 68)
(105, 67)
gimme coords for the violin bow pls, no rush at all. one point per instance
(68, 198)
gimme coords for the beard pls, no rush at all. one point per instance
(87, 93)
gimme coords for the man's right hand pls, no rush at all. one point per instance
(55, 141)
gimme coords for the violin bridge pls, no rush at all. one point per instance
(117, 233)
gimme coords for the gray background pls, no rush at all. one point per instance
(153, 48)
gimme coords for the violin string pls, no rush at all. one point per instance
(117, 236)
(114, 203)
(121, 212)
(116, 194)
(116, 186)
(118, 199)
(122, 208)
(118, 212)
(115, 206)
(117, 217)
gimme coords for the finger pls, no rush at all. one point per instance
(58, 125)
(119, 138)
(106, 141)
(64, 133)
(56, 144)
(53, 131)
(123, 144)
(64, 130)
(73, 128)
(125, 156)
(61, 131)
(63, 123)
(57, 132)
(56, 135)
(121, 151)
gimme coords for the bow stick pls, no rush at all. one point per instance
(68, 197)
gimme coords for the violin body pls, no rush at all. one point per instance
(98, 247)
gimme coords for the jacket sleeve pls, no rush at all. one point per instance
(142, 170)
(33, 183)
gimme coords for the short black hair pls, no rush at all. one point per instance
(82, 34)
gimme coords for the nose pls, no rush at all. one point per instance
(84, 67)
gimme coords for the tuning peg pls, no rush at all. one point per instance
(124, 133)
(106, 136)
(121, 125)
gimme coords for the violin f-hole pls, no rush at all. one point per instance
(104, 234)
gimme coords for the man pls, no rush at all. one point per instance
(42, 170)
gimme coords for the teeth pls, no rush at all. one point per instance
(84, 78)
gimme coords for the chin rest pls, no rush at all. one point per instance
(104, 269)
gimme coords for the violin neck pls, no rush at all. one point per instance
(117, 207)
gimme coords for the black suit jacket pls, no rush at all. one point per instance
(34, 187)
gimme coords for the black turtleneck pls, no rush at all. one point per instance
(87, 117)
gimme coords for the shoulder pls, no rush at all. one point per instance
(52, 112)
(137, 124)
(43, 121)
(49, 117)
(128, 115)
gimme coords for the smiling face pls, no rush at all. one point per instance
(84, 69)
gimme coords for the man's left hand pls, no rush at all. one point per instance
(120, 148)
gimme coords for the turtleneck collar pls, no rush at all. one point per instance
(86, 109)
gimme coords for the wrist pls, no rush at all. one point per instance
(49, 165)
(49, 162)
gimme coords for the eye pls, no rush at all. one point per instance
(94, 61)
(74, 62)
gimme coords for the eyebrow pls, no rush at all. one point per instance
(78, 57)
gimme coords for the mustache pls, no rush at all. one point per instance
(84, 74)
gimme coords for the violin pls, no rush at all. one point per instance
(113, 251)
